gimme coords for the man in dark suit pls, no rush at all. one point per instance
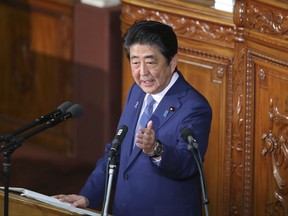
(157, 174)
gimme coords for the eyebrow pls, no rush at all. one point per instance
(145, 57)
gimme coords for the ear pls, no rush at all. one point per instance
(174, 62)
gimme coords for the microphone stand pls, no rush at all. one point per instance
(7, 152)
(202, 178)
(11, 146)
(6, 165)
(112, 167)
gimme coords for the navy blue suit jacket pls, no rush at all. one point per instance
(143, 188)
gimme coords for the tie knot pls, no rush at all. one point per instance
(150, 100)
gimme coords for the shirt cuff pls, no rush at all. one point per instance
(157, 160)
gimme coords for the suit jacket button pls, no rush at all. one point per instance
(126, 176)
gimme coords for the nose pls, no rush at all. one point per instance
(143, 69)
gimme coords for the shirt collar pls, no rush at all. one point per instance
(158, 97)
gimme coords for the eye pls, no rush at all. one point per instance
(135, 63)
(151, 64)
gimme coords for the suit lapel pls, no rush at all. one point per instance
(165, 110)
(133, 114)
(168, 107)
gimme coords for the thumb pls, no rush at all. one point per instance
(150, 125)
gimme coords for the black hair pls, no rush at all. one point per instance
(152, 33)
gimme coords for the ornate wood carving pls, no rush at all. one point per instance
(228, 149)
(187, 27)
(238, 120)
(276, 145)
(267, 20)
(267, 70)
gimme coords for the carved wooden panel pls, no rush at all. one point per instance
(270, 145)
(260, 54)
(199, 28)
(210, 78)
(272, 21)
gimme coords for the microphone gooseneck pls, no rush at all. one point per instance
(61, 109)
(187, 135)
(65, 111)
(73, 111)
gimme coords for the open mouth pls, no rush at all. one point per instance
(147, 83)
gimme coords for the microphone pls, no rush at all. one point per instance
(74, 111)
(187, 134)
(111, 165)
(121, 133)
(61, 109)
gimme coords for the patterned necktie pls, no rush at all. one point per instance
(147, 112)
(143, 120)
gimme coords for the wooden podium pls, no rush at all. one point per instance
(23, 206)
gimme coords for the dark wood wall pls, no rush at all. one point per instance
(56, 51)
(239, 61)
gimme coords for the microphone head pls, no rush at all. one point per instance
(75, 110)
(186, 132)
(64, 106)
(122, 129)
(121, 133)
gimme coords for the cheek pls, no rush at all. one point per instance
(135, 74)
(162, 78)
(158, 76)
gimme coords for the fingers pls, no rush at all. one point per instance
(81, 202)
(75, 200)
(149, 128)
(146, 139)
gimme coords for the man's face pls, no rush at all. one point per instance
(150, 69)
